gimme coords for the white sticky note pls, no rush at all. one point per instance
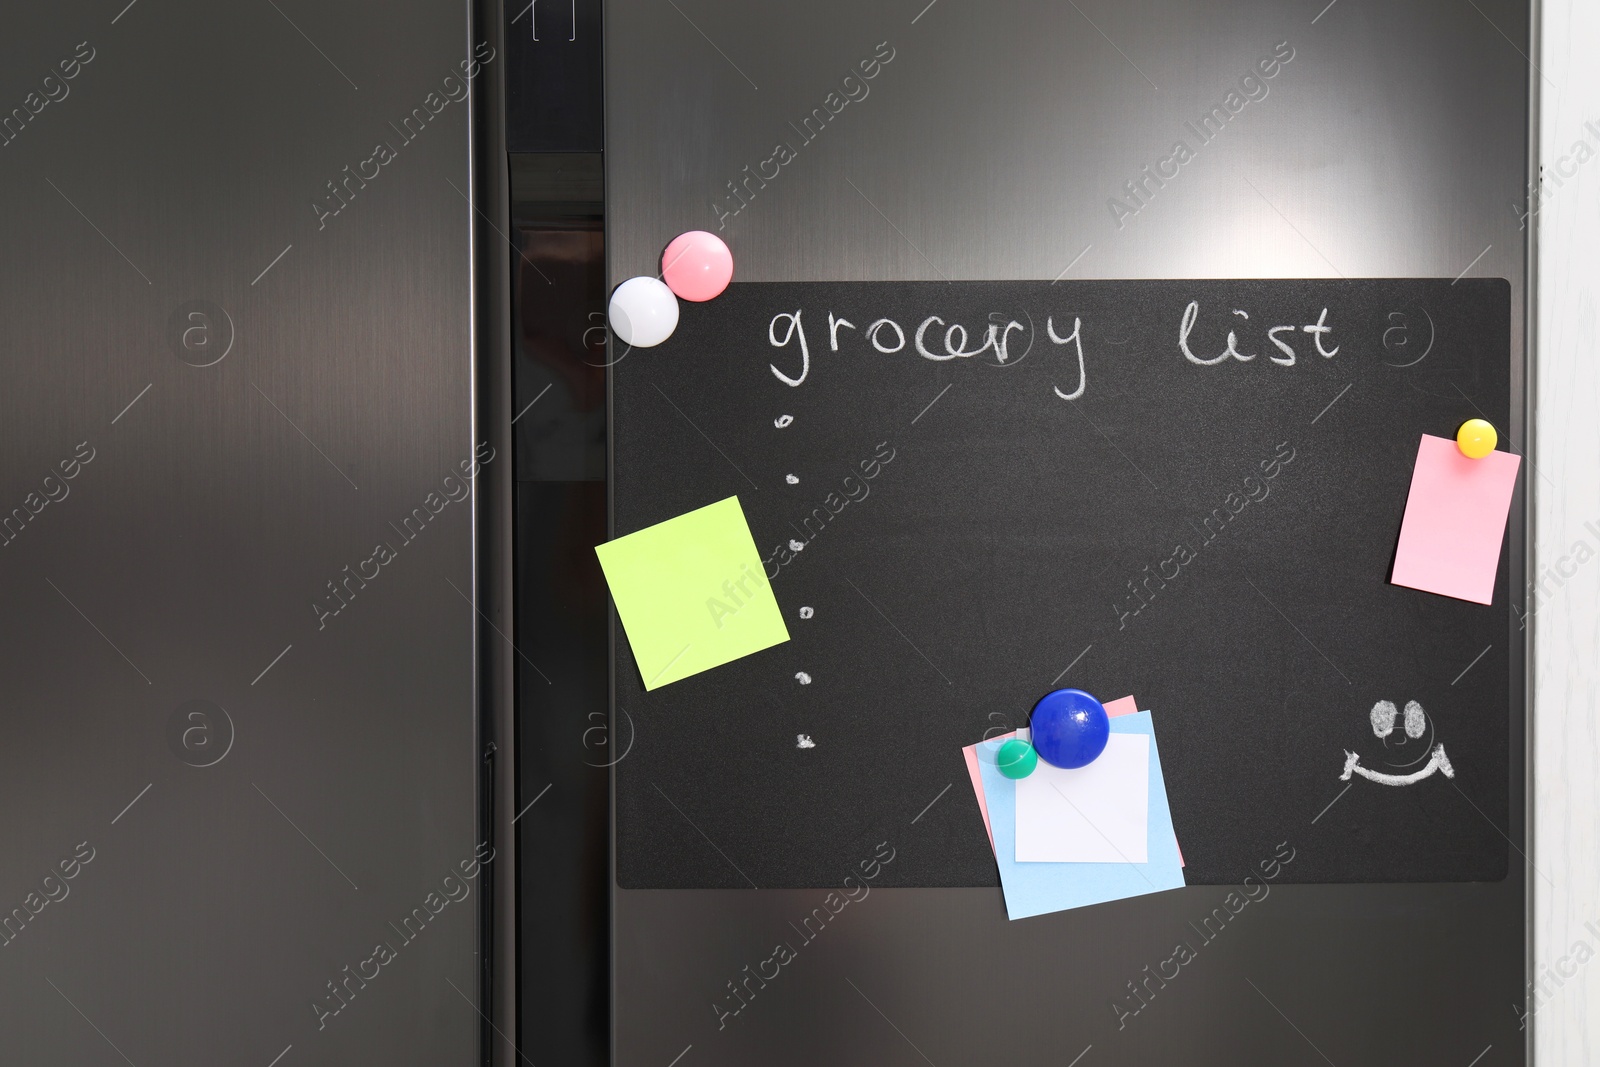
(1094, 814)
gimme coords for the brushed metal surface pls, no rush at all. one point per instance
(495, 563)
(243, 859)
(1393, 143)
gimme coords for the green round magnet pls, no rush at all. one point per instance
(1016, 758)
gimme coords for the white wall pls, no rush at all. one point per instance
(1566, 619)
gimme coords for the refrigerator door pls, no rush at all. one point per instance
(1014, 140)
(240, 759)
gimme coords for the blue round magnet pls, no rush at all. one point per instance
(1069, 728)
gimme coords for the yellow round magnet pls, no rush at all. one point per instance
(1476, 438)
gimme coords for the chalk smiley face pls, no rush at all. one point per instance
(1408, 740)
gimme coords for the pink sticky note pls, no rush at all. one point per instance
(1125, 706)
(971, 755)
(1455, 521)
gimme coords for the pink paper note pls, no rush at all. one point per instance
(1455, 521)
(971, 754)
(1125, 706)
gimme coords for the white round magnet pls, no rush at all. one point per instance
(643, 312)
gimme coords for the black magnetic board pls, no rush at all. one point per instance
(1211, 533)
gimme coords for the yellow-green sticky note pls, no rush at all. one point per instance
(692, 593)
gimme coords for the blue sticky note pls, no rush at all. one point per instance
(1041, 888)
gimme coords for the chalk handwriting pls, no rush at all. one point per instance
(996, 340)
(1075, 337)
(948, 340)
(805, 353)
(1191, 315)
(955, 346)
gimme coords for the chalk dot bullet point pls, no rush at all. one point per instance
(796, 546)
(802, 677)
(804, 741)
(791, 479)
(806, 613)
(782, 420)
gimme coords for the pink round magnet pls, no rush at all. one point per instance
(697, 265)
